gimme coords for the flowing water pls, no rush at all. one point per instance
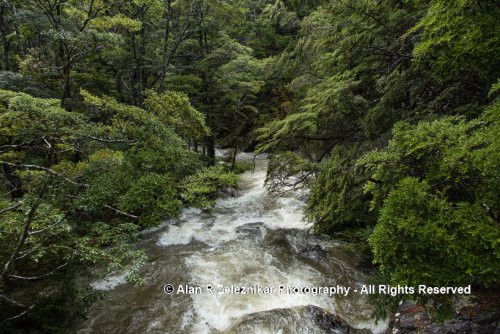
(248, 240)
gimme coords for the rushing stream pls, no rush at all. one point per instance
(248, 240)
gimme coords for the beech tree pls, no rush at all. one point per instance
(78, 186)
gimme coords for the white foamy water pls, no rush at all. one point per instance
(109, 282)
(229, 266)
(253, 205)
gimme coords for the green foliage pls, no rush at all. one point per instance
(288, 171)
(458, 33)
(242, 166)
(175, 110)
(456, 243)
(238, 83)
(119, 20)
(281, 17)
(112, 153)
(201, 189)
(107, 176)
(232, 77)
(80, 185)
(16, 82)
(436, 186)
(153, 196)
(359, 73)
(337, 200)
(457, 157)
(25, 119)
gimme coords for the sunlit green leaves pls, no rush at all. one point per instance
(201, 189)
(460, 32)
(175, 111)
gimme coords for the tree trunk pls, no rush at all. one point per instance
(136, 79)
(66, 87)
(211, 150)
(233, 158)
(13, 181)
(5, 42)
(165, 60)
(9, 266)
(20, 43)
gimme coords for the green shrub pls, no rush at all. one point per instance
(436, 186)
(201, 189)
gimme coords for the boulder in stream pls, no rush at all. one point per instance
(228, 192)
(254, 230)
(472, 319)
(313, 252)
(297, 320)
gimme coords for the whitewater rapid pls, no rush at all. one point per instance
(252, 239)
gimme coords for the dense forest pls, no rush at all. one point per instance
(110, 113)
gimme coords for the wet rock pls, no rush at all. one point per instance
(278, 237)
(411, 318)
(326, 320)
(251, 229)
(313, 252)
(304, 196)
(228, 192)
(303, 319)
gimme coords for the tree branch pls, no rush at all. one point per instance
(13, 207)
(9, 147)
(35, 167)
(104, 140)
(121, 212)
(13, 302)
(22, 239)
(32, 305)
(34, 278)
(46, 228)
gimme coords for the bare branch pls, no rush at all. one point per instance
(25, 253)
(105, 140)
(13, 207)
(121, 212)
(22, 239)
(79, 56)
(11, 301)
(491, 213)
(32, 305)
(90, 15)
(46, 228)
(46, 142)
(35, 167)
(34, 278)
(373, 17)
(10, 147)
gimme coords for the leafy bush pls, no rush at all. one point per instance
(201, 189)
(436, 185)
(242, 166)
(423, 238)
(337, 200)
(153, 196)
